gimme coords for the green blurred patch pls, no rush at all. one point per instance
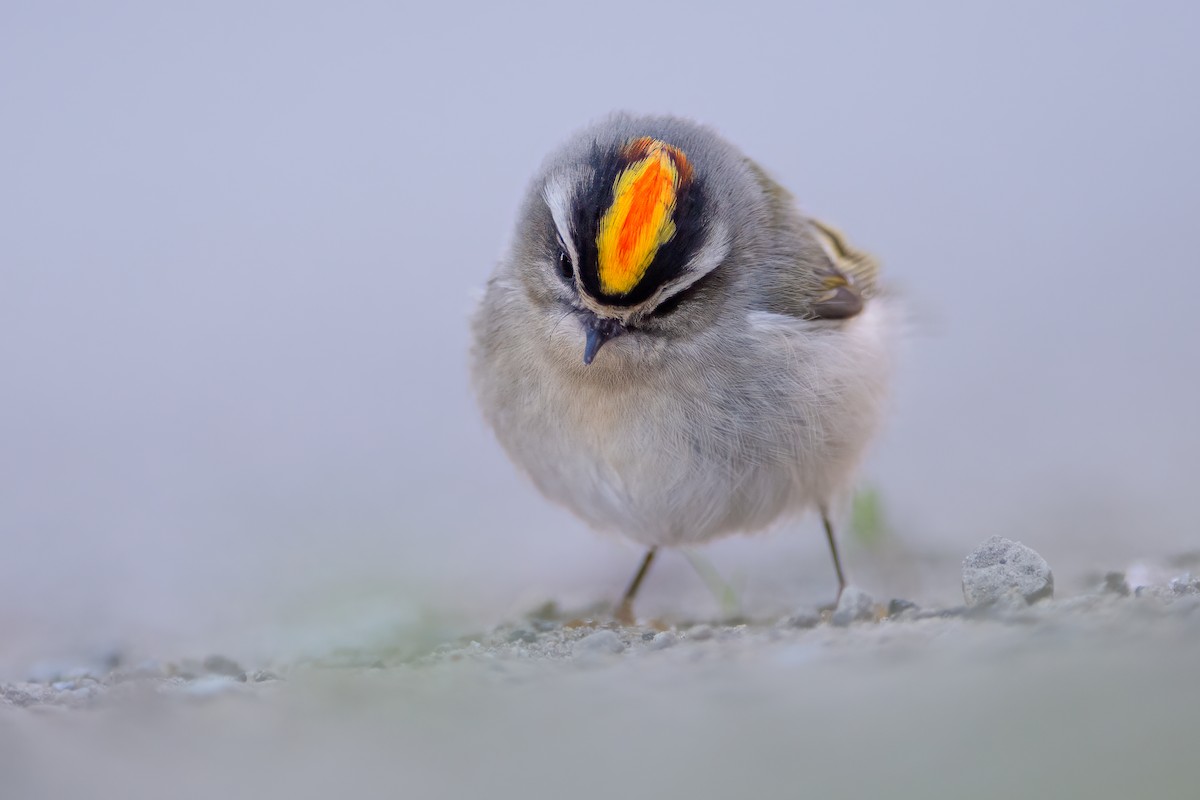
(868, 524)
(725, 595)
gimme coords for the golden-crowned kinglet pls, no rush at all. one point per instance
(671, 349)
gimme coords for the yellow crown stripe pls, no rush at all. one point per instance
(639, 221)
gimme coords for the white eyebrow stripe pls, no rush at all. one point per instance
(559, 195)
(707, 258)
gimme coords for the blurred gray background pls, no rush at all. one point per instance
(239, 245)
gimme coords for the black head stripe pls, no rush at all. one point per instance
(669, 262)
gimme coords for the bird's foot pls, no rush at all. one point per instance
(624, 613)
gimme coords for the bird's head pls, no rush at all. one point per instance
(619, 233)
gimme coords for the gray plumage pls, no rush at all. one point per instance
(754, 398)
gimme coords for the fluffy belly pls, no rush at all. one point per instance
(702, 504)
(691, 448)
(660, 473)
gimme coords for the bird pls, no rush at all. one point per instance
(672, 349)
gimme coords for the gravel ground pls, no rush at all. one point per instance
(1092, 695)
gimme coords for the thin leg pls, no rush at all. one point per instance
(624, 613)
(837, 562)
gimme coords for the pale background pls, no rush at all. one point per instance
(239, 245)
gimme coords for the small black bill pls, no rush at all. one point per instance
(598, 330)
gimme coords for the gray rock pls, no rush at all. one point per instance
(220, 665)
(663, 640)
(730, 633)
(854, 605)
(25, 694)
(898, 608)
(78, 696)
(522, 635)
(1185, 585)
(1115, 583)
(802, 619)
(1002, 567)
(602, 641)
(700, 632)
(1154, 592)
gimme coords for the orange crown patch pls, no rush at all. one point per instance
(641, 217)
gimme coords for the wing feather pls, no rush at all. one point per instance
(818, 274)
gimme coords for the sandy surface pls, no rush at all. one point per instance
(1089, 696)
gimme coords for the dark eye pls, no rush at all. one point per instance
(565, 270)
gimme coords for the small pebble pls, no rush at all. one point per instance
(898, 607)
(1145, 574)
(1114, 583)
(1001, 567)
(24, 694)
(803, 620)
(1186, 585)
(602, 641)
(220, 665)
(663, 640)
(699, 633)
(854, 605)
